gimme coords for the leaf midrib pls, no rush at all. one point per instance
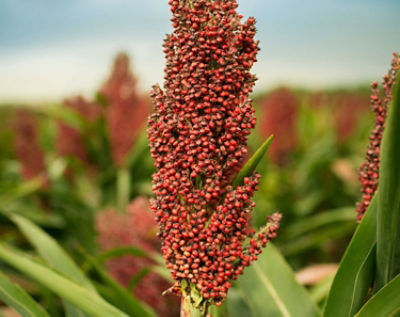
(268, 285)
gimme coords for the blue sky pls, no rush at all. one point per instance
(51, 49)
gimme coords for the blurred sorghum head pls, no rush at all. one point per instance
(279, 117)
(198, 139)
(70, 141)
(135, 228)
(27, 147)
(126, 111)
(369, 170)
(348, 109)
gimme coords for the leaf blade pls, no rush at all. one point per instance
(15, 297)
(87, 300)
(388, 224)
(270, 288)
(384, 303)
(354, 275)
(252, 163)
(50, 250)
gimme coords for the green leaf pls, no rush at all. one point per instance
(384, 303)
(355, 273)
(68, 116)
(21, 190)
(388, 225)
(121, 251)
(252, 163)
(49, 249)
(236, 302)
(269, 288)
(86, 299)
(15, 297)
(136, 279)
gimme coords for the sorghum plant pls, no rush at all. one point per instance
(27, 147)
(135, 228)
(346, 121)
(280, 110)
(70, 142)
(198, 138)
(369, 170)
(126, 112)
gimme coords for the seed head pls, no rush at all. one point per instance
(126, 110)
(198, 139)
(27, 147)
(369, 170)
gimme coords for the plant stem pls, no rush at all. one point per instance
(188, 310)
(123, 188)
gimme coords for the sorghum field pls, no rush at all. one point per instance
(203, 196)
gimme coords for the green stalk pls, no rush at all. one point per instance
(188, 309)
(123, 188)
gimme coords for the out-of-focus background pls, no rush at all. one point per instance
(53, 49)
(74, 158)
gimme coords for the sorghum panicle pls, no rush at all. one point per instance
(348, 110)
(280, 110)
(198, 138)
(135, 228)
(27, 147)
(126, 112)
(369, 170)
(70, 141)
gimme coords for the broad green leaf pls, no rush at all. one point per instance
(15, 297)
(86, 299)
(237, 305)
(388, 221)
(384, 303)
(252, 163)
(355, 273)
(269, 288)
(49, 249)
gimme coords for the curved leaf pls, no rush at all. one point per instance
(252, 163)
(87, 300)
(384, 303)
(388, 225)
(355, 273)
(15, 297)
(50, 250)
(121, 251)
(269, 288)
